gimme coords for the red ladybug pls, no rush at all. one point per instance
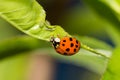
(66, 45)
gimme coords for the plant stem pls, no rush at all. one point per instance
(93, 50)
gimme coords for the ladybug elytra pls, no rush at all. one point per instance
(66, 45)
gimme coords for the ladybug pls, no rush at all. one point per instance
(66, 45)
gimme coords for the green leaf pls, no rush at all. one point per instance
(29, 17)
(84, 58)
(94, 43)
(113, 69)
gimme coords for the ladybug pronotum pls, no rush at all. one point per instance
(66, 45)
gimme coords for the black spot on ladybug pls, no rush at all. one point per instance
(65, 53)
(70, 39)
(74, 50)
(77, 41)
(76, 46)
(71, 45)
(63, 44)
(67, 49)
(64, 40)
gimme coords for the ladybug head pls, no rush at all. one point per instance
(55, 41)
